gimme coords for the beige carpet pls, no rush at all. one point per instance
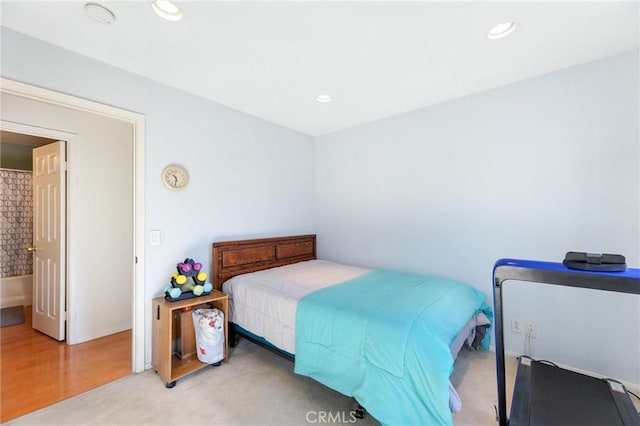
(256, 387)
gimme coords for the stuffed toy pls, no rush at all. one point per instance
(180, 280)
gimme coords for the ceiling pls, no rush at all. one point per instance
(376, 59)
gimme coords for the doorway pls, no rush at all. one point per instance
(46, 100)
(34, 229)
(27, 107)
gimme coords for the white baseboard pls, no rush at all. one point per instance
(7, 302)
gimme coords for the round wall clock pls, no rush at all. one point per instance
(175, 176)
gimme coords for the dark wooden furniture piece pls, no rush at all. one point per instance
(231, 258)
(170, 357)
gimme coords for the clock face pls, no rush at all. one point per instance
(175, 177)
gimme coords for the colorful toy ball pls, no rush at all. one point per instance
(197, 266)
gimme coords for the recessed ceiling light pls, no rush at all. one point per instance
(167, 10)
(501, 30)
(323, 99)
(99, 13)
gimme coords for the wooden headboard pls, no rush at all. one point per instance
(231, 258)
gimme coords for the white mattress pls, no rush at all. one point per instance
(265, 302)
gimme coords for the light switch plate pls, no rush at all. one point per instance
(154, 237)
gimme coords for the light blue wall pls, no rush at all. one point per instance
(248, 177)
(529, 170)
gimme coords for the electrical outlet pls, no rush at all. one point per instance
(516, 326)
(531, 331)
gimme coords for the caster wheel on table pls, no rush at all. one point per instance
(359, 411)
(233, 341)
(170, 385)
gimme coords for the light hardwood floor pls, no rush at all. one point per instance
(37, 370)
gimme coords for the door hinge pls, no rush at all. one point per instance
(136, 257)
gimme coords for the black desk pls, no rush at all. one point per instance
(549, 380)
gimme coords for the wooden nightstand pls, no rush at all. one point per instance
(174, 353)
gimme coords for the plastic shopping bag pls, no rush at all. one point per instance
(209, 328)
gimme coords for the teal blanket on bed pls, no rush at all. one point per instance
(384, 339)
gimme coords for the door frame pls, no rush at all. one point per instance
(138, 122)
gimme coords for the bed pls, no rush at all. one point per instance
(391, 349)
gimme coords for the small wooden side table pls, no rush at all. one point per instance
(172, 354)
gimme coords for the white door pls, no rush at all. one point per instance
(49, 232)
